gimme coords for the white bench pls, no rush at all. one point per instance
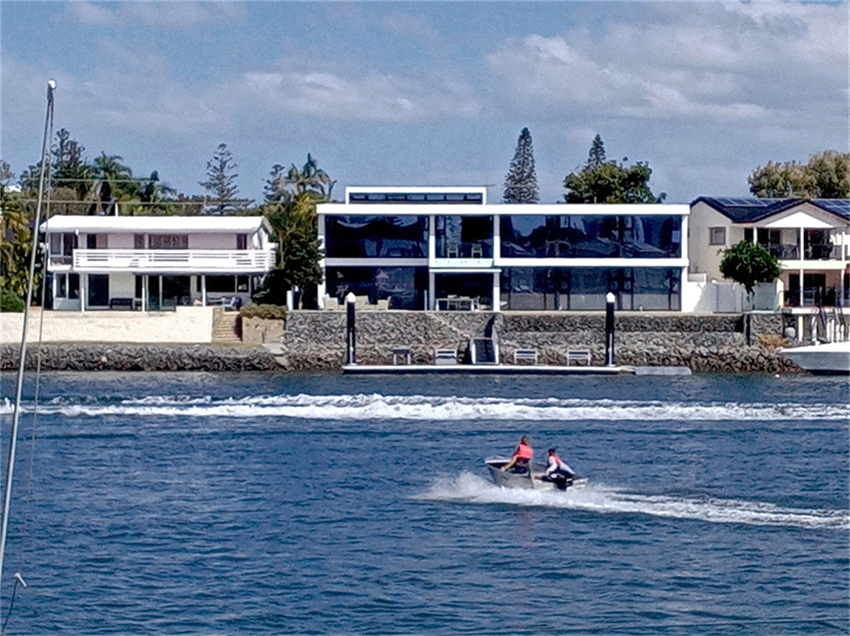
(577, 356)
(445, 356)
(525, 355)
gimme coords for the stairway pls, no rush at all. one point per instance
(226, 326)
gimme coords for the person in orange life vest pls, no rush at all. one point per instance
(522, 456)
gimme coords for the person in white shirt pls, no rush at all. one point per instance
(556, 469)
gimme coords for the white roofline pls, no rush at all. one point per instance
(156, 224)
(502, 209)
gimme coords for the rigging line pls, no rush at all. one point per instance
(26, 508)
(16, 416)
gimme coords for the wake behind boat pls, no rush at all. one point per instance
(532, 479)
(822, 359)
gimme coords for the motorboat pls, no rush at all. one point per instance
(533, 479)
(831, 358)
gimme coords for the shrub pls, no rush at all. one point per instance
(10, 301)
(265, 312)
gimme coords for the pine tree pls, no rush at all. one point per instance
(221, 182)
(521, 180)
(596, 156)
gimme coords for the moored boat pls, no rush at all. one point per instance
(531, 479)
(831, 358)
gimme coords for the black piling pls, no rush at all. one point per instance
(350, 331)
(609, 329)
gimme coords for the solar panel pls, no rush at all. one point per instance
(841, 207)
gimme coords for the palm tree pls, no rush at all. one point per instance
(114, 182)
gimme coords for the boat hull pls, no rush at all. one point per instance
(824, 359)
(530, 480)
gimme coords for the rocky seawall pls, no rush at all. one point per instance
(315, 341)
(138, 357)
(707, 343)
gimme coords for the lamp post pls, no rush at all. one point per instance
(610, 300)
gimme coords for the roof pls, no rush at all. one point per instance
(750, 210)
(156, 224)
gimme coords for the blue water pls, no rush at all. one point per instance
(272, 503)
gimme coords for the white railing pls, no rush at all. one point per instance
(230, 261)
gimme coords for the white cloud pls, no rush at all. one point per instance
(163, 14)
(706, 61)
(364, 96)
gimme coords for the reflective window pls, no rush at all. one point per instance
(405, 287)
(585, 288)
(376, 237)
(477, 287)
(169, 241)
(591, 236)
(464, 236)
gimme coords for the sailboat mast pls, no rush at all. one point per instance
(16, 414)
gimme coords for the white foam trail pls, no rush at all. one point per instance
(431, 408)
(472, 489)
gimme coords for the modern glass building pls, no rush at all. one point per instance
(447, 249)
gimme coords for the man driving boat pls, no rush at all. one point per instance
(521, 459)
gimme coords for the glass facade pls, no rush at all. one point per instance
(477, 287)
(405, 287)
(585, 288)
(464, 236)
(376, 237)
(589, 236)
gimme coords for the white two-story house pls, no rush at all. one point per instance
(437, 248)
(151, 263)
(810, 237)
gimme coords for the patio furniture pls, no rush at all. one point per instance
(525, 355)
(578, 356)
(401, 353)
(445, 356)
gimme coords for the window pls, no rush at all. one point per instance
(717, 236)
(241, 241)
(169, 241)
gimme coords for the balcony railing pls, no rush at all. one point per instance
(229, 261)
(813, 252)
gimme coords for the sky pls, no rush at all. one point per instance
(430, 93)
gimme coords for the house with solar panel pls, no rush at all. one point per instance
(810, 237)
(447, 249)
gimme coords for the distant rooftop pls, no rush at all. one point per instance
(750, 210)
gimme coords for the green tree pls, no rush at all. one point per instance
(114, 182)
(15, 240)
(603, 181)
(749, 263)
(825, 176)
(291, 199)
(221, 182)
(70, 168)
(596, 156)
(521, 180)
